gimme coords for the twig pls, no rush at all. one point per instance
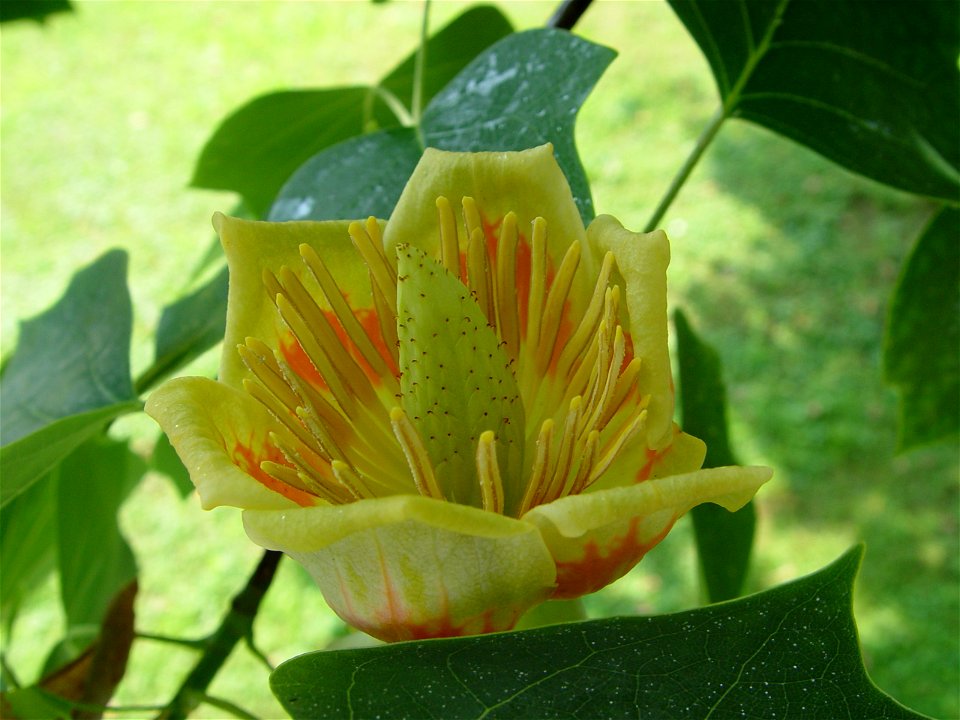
(236, 624)
(567, 14)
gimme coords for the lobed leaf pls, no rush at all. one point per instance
(871, 86)
(790, 652)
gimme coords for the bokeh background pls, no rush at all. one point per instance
(782, 260)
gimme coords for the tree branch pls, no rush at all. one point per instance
(567, 14)
(236, 625)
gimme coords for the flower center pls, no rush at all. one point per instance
(516, 393)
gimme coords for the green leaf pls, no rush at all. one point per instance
(188, 327)
(257, 148)
(448, 52)
(25, 461)
(522, 92)
(500, 101)
(95, 560)
(73, 358)
(455, 378)
(923, 334)
(724, 539)
(27, 544)
(788, 652)
(873, 87)
(36, 10)
(360, 177)
(165, 460)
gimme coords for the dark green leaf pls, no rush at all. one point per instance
(95, 560)
(923, 335)
(361, 177)
(188, 327)
(260, 145)
(724, 539)
(790, 652)
(27, 460)
(73, 358)
(871, 86)
(36, 10)
(27, 544)
(448, 52)
(257, 148)
(522, 92)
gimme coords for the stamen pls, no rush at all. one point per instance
(479, 275)
(346, 318)
(387, 317)
(488, 472)
(565, 454)
(449, 244)
(384, 276)
(471, 216)
(419, 462)
(578, 342)
(538, 281)
(613, 449)
(346, 476)
(536, 486)
(289, 476)
(588, 459)
(508, 320)
(553, 312)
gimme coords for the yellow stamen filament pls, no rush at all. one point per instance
(479, 275)
(346, 318)
(538, 280)
(420, 466)
(536, 485)
(588, 325)
(588, 460)
(560, 470)
(449, 244)
(383, 274)
(613, 449)
(488, 472)
(553, 313)
(350, 480)
(508, 320)
(471, 216)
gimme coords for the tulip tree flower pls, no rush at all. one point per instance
(453, 416)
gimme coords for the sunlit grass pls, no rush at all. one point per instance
(782, 260)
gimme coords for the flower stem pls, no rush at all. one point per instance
(419, 68)
(236, 624)
(703, 142)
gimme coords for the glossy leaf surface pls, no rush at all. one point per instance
(871, 86)
(258, 147)
(500, 101)
(790, 652)
(73, 358)
(724, 539)
(923, 335)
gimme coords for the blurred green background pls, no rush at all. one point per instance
(782, 260)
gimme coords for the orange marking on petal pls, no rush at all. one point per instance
(248, 460)
(296, 357)
(596, 570)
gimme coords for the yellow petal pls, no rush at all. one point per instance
(642, 260)
(529, 183)
(222, 436)
(639, 463)
(409, 567)
(253, 247)
(597, 537)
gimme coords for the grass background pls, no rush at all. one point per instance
(782, 260)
